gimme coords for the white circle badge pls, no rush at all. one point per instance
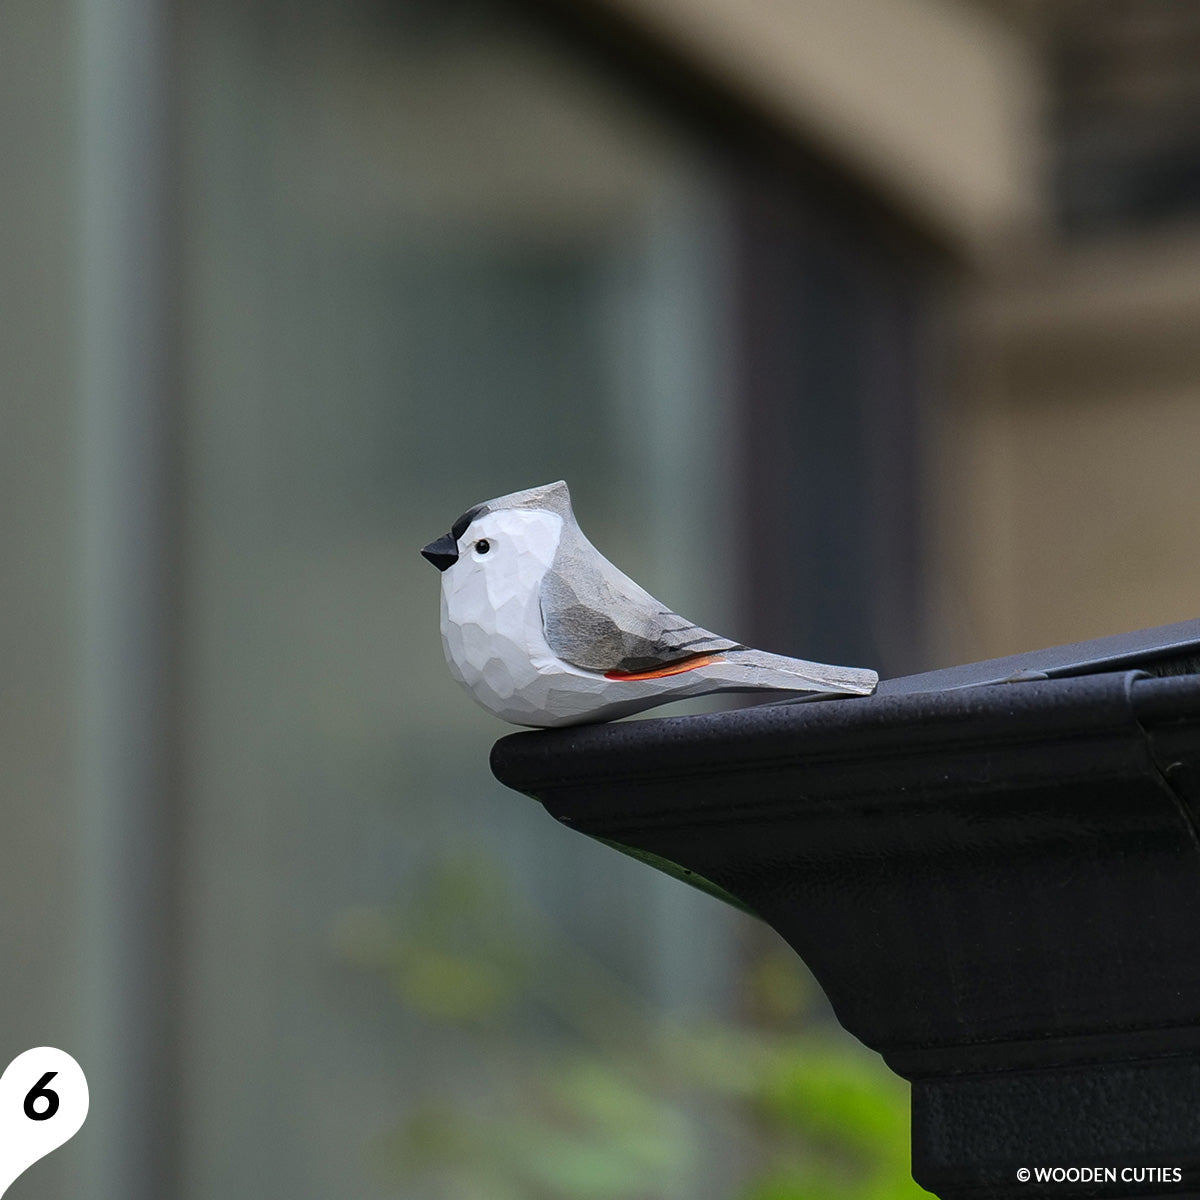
(43, 1102)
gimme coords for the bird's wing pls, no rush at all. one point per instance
(595, 617)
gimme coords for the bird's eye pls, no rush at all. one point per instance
(482, 546)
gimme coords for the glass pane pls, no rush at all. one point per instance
(1126, 91)
(429, 260)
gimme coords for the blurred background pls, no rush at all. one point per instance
(867, 330)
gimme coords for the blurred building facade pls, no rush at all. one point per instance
(862, 329)
(1080, 413)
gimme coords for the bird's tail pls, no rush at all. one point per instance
(775, 672)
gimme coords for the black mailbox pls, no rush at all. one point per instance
(993, 871)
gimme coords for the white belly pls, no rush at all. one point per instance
(501, 657)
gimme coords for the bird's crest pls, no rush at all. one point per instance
(550, 497)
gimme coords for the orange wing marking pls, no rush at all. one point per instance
(675, 668)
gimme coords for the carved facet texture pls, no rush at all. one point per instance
(536, 622)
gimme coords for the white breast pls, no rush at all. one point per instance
(491, 617)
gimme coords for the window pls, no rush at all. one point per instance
(427, 254)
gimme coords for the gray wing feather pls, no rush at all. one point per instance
(595, 617)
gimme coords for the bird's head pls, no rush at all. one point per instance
(510, 537)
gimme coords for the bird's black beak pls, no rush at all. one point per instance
(443, 553)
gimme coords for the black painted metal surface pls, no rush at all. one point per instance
(998, 887)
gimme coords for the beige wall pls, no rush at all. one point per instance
(933, 104)
(1069, 479)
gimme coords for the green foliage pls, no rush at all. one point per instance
(588, 1096)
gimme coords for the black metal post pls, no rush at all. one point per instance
(997, 884)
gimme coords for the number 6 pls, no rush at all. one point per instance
(40, 1089)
